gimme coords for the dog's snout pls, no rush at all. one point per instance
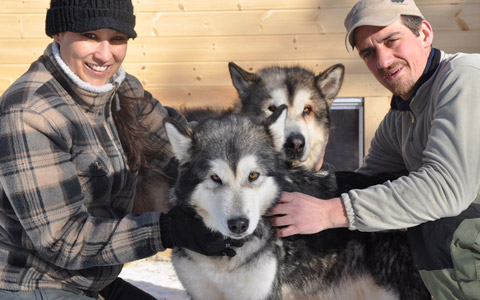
(294, 146)
(239, 225)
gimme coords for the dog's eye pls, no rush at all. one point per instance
(253, 176)
(307, 109)
(216, 178)
(272, 108)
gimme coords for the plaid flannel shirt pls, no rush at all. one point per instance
(65, 188)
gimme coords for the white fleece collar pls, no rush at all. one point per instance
(118, 77)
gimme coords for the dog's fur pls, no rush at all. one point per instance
(232, 170)
(308, 97)
(334, 264)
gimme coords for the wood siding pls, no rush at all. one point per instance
(183, 47)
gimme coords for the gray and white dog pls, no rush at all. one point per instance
(232, 171)
(308, 97)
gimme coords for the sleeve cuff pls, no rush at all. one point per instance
(347, 203)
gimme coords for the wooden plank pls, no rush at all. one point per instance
(215, 73)
(143, 50)
(22, 50)
(40, 6)
(245, 5)
(283, 22)
(24, 6)
(14, 26)
(270, 48)
(221, 92)
(9, 26)
(266, 22)
(271, 22)
(191, 74)
(223, 49)
(453, 17)
(355, 85)
(233, 5)
(217, 96)
(197, 73)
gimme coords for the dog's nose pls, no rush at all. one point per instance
(239, 225)
(294, 146)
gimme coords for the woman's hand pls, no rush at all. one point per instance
(299, 213)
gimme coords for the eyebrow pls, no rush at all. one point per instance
(363, 51)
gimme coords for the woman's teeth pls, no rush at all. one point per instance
(98, 68)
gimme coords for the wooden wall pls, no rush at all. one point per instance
(183, 47)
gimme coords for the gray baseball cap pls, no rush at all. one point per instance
(376, 13)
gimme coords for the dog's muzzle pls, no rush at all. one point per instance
(294, 146)
(238, 225)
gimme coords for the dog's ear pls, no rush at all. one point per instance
(180, 138)
(276, 125)
(330, 81)
(241, 79)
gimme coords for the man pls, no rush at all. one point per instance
(431, 132)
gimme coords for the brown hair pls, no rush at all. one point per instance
(133, 136)
(414, 23)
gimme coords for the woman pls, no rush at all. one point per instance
(75, 129)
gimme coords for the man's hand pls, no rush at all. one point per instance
(299, 213)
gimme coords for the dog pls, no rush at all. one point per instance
(308, 97)
(232, 171)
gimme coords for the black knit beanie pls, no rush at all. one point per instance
(86, 15)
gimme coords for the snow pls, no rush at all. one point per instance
(156, 276)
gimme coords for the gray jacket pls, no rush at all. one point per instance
(437, 141)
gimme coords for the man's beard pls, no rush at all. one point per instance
(402, 85)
